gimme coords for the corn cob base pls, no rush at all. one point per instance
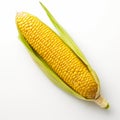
(102, 102)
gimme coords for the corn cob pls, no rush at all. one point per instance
(59, 57)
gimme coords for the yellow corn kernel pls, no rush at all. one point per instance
(62, 60)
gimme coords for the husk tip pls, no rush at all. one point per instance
(41, 3)
(108, 106)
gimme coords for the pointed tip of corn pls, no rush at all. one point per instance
(102, 102)
(20, 14)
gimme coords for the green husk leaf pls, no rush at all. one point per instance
(48, 71)
(69, 41)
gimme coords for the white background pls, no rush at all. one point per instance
(27, 94)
